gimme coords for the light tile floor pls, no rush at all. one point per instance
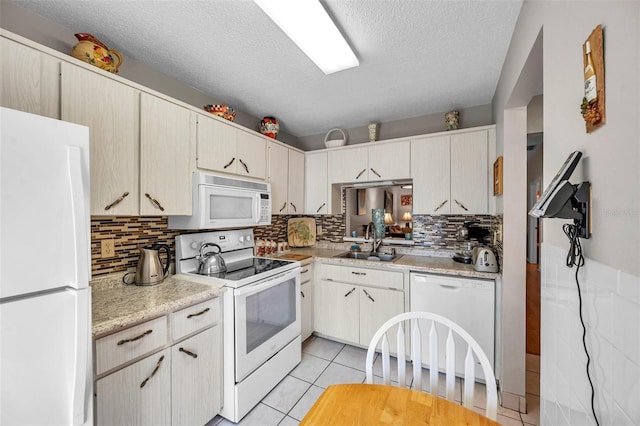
(325, 362)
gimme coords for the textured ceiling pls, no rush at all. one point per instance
(416, 57)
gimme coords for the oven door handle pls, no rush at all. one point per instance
(261, 285)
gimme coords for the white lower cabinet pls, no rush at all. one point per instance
(306, 298)
(351, 303)
(138, 395)
(176, 382)
(196, 375)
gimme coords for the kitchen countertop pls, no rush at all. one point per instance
(116, 306)
(438, 264)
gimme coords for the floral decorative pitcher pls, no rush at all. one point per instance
(90, 49)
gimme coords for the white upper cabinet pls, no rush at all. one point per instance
(110, 110)
(450, 173)
(30, 79)
(167, 138)
(227, 149)
(316, 191)
(389, 160)
(286, 175)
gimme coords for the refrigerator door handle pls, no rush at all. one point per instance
(78, 197)
(82, 374)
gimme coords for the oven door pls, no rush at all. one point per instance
(267, 318)
(227, 208)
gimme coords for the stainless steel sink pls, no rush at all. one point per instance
(380, 257)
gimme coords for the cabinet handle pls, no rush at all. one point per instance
(358, 273)
(230, 162)
(244, 165)
(350, 291)
(376, 173)
(283, 205)
(294, 207)
(199, 313)
(302, 272)
(122, 342)
(301, 293)
(360, 174)
(368, 295)
(124, 194)
(144, 382)
(191, 354)
(154, 201)
(320, 208)
(441, 205)
(461, 205)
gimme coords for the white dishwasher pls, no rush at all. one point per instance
(468, 302)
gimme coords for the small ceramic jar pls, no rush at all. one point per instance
(269, 127)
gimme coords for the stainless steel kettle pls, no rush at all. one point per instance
(150, 270)
(210, 262)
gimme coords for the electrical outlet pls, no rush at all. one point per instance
(318, 230)
(107, 248)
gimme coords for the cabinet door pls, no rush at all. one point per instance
(430, 169)
(348, 165)
(216, 148)
(110, 110)
(306, 309)
(167, 137)
(252, 155)
(389, 161)
(316, 184)
(30, 80)
(469, 164)
(296, 182)
(196, 379)
(121, 399)
(336, 310)
(377, 306)
(278, 178)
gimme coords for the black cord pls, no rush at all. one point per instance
(576, 258)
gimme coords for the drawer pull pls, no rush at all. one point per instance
(304, 271)
(320, 208)
(199, 313)
(155, 370)
(368, 295)
(301, 293)
(350, 291)
(441, 205)
(117, 201)
(230, 162)
(360, 174)
(191, 354)
(358, 273)
(122, 342)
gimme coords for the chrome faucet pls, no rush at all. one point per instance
(377, 242)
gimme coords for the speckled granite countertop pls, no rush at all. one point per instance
(116, 306)
(432, 262)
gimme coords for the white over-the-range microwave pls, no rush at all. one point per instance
(221, 202)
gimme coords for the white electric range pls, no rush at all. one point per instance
(261, 319)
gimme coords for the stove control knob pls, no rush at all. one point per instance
(195, 245)
(248, 238)
(241, 238)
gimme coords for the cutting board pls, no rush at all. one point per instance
(301, 231)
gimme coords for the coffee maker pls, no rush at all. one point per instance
(468, 236)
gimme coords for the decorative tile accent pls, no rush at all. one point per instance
(333, 228)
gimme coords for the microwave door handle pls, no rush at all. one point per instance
(257, 208)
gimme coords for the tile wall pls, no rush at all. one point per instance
(611, 310)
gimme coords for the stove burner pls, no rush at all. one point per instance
(248, 268)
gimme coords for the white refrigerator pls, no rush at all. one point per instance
(45, 299)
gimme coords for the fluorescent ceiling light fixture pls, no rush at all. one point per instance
(310, 27)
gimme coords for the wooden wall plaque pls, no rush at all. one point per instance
(597, 55)
(497, 176)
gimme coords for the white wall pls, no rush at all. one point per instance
(611, 156)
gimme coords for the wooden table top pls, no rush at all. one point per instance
(363, 404)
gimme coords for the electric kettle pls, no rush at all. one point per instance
(150, 270)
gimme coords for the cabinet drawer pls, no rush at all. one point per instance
(306, 273)
(363, 276)
(118, 348)
(195, 317)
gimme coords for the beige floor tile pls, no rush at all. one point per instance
(533, 410)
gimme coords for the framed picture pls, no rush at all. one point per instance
(388, 202)
(361, 205)
(406, 200)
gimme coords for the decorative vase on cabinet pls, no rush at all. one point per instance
(91, 50)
